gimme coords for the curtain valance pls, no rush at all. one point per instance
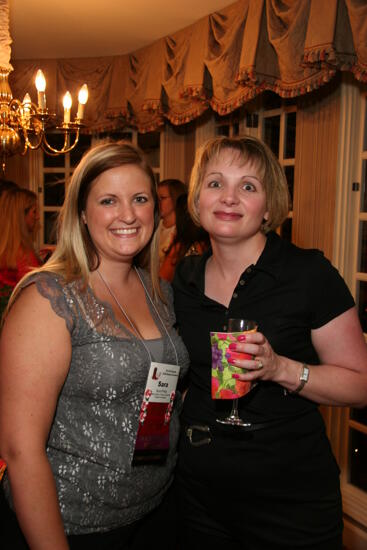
(222, 61)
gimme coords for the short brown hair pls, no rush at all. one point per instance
(247, 149)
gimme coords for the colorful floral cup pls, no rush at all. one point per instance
(224, 386)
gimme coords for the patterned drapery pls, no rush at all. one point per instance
(222, 61)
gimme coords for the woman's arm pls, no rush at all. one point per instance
(342, 351)
(35, 352)
(340, 379)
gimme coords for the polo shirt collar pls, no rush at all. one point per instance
(270, 261)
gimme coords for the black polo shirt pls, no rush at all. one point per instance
(289, 292)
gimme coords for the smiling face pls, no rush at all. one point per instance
(119, 213)
(232, 200)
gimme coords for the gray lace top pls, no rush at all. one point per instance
(92, 438)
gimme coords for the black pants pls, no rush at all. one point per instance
(157, 528)
(272, 489)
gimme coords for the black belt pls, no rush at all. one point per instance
(202, 434)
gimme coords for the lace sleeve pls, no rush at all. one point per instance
(50, 287)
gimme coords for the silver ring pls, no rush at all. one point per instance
(259, 365)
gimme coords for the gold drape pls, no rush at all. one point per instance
(223, 60)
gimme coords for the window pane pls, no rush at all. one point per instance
(360, 415)
(271, 133)
(362, 304)
(50, 227)
(289, 174)
(83, 146)
(150, 143)
(222, 130)
(54, 189)
(236, 128)
(362, 248)
(290, 136)
(57, 142)
(364, 187)
(358, 459)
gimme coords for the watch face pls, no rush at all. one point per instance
(305, 373)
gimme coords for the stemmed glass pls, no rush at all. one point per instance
(238, 326)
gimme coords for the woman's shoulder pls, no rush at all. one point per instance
(56, 290)
(190, 262)
(313, 269)
(44, 279)
(307, 258)
(190, 268)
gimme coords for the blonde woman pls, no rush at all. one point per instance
(76, 348)
(273, 484)
(18, 224)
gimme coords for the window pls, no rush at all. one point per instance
(355, 450)
(348, 426)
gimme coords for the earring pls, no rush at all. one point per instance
(84, 219)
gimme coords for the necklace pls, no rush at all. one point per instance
(136, 331)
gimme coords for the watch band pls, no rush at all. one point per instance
(303, 379)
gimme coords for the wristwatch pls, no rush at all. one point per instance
(303, 379)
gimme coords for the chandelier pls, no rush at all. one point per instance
(23, 124)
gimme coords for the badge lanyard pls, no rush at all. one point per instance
(152, 441)
(137, 333)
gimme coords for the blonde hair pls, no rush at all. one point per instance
(75, 255)
(246, 149)
(15, 238)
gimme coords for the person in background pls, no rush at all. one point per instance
(168, 192)
(18, 226)
(190, 239)
(71, 389)
(273, 484)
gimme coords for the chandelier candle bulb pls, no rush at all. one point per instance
(82, 99)
(27, 106)
(67, 102)
(24, 124)
(41, 87)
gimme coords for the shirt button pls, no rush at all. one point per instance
(235, 295)
(248, 270)
(224, 327)
(226, 313)
(242, 282)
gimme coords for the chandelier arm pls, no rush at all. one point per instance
(49, 150)
(28, 143)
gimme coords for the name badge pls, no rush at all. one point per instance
(152, 441)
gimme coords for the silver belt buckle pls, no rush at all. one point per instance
(199, 428)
